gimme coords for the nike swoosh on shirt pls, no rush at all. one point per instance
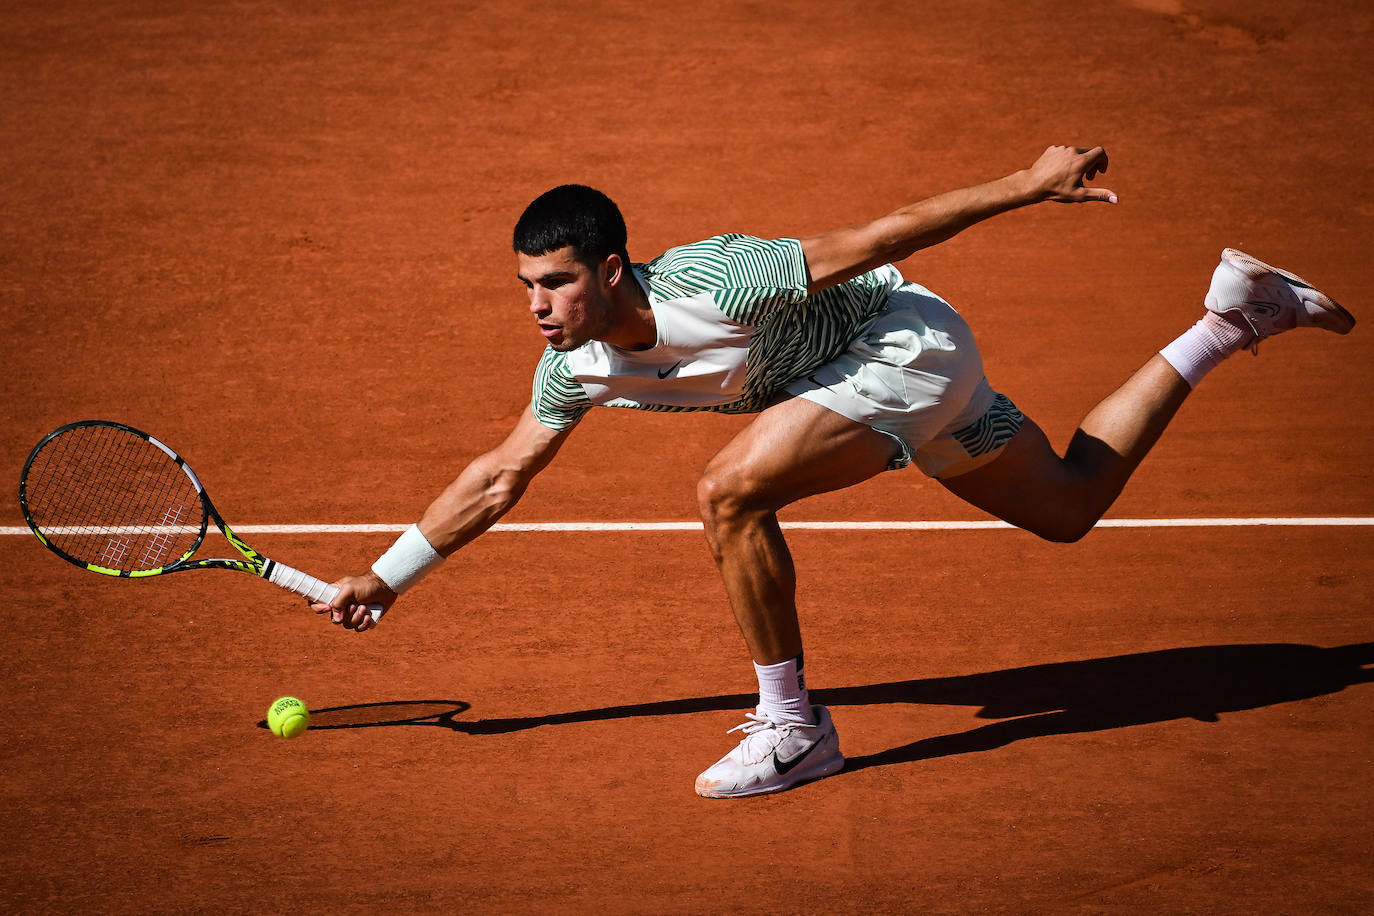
(664, 373)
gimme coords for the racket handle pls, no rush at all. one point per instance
(306, 585)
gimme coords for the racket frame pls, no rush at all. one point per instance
(253, 561)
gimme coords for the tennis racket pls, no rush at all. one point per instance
(114, 500)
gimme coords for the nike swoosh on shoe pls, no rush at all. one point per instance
(784, 767)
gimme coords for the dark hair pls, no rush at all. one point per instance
(575, 215)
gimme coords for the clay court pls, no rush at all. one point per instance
(277, 237)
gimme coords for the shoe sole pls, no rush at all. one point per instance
(829, 768)
(1341, 321)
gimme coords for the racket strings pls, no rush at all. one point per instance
(111, 498)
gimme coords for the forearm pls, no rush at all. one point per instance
(842, 254)
(485, 490)
(470, 505)
(929, 222)
(481, 494)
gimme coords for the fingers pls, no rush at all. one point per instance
(1062, 172)
(358, 618)
(1090, 195)
(352, 617)
(345, 610)
(1097, 164)
(1088, 158)
(1090, 162)
(1096, 159)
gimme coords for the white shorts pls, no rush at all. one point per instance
(915, 375)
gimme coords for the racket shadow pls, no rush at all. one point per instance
(444, 714)
(389, 713)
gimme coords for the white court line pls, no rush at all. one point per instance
(809, 526)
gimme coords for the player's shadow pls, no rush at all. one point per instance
(1198, 682)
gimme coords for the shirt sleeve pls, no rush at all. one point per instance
(746, 276)
(559, 400)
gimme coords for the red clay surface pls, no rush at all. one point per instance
(278, 238)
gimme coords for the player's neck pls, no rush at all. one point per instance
(633, 324)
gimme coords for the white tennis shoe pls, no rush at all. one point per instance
(1269, 300)
(774, 757)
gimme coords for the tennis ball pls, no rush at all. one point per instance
(288, 717)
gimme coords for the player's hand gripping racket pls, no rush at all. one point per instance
(116, 501)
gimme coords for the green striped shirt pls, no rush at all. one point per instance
(734, 313)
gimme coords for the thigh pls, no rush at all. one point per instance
(1026, 484)
(796, 449)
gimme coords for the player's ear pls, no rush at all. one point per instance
(612, 269)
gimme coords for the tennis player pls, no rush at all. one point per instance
(851, 370)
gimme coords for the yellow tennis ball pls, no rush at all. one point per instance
(288, 717)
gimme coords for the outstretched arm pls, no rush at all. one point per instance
(491, 485)
(1057, 175)
(486, 490)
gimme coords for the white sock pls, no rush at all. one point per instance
(782, 691)
(1201, 348)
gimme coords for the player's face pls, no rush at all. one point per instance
(570, 300)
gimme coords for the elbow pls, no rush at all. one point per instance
(890, 248)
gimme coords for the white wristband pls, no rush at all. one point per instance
(407, 561)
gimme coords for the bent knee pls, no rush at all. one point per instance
(726, 492)
(718, 493)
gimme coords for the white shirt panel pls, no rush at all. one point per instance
(698, 360)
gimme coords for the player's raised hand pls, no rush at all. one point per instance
(349, 607)
(1060, 172)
